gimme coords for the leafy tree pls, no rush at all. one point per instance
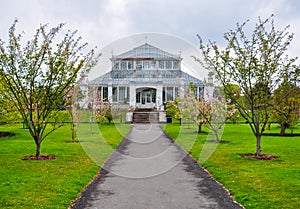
(8, 112)
(234, 91)
(71, 107)
(212, 112)
(103, 111)
(173, 109)
(257, 63)
(286, 106)
(100, 108)
(38, 75)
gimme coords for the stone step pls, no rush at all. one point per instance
(145, 117)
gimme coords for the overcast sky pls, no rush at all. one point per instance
(101, 22)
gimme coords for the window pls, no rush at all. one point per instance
(201, 92)
(139, 65)
(105, 93)
(175, 64)
(161, 64)
(153, 92)
(176, 92)
(99, 92)
(121, 94)
(130, 65)
(123, 65)
(116, 65)
(169, 93)
(138, 97)
(152, 65)
(146, 65)
(168, 64)
(115, 94)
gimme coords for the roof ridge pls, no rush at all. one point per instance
(147, 50)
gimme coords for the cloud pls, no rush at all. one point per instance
(101, 22)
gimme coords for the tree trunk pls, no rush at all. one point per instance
(91, 124)
(180, 119)
(216, 134)
(282, 130)
(258, 145)
(200, 128)
(38, 149)
(73, 133)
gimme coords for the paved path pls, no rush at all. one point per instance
(149, 171)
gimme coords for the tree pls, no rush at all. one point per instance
(8, 112)
(234, 91)
(286, 105)
(212, 112)
(257, 63)
(173, 110)
(71, 107)
(39, 75)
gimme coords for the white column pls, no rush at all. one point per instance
(181, 88)
(110, 90)
(132, 99)
(174, 96)
(159, 97)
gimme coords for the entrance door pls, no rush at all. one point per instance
(146, 97)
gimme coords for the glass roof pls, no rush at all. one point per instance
(146, 76)
(147, 51)
(164, 77)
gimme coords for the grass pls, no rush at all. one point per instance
(52, 183)
(253, 183)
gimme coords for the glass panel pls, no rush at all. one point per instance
(175, 64)
(152, 65)
(161, 64)
(115, 94)
(130, 65)
(148, 97)
(139, 65)
(105, 93)
(176, 92)
(143, 98)
(201, 92)
(153, 92)
(121, 94)
(99, 92)
(138, 97)
(168, 64)
(169, 93)
(116, 66)
(145, 65)
(123, 65)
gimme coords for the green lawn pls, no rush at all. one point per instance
(53, 183)
(254, 183)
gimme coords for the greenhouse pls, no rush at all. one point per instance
(145, 77)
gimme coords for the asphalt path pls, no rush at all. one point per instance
(149, 171)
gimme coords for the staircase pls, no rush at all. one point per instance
(145, 116)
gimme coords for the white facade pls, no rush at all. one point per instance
(145, 77)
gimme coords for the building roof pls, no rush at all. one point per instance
(146, 51)
(166, 77)
(145, 76)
